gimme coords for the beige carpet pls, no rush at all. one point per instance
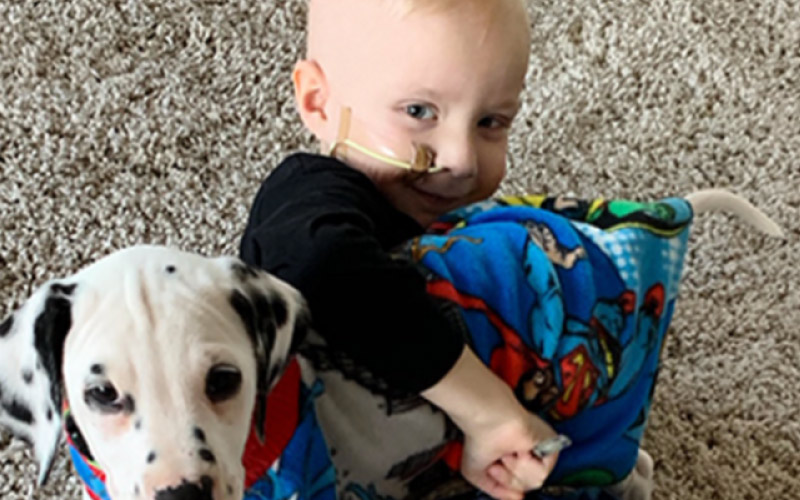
(154, 121)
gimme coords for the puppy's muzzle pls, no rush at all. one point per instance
(202, 490)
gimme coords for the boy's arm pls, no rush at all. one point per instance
(325, 228)
(328, 238)
(472, 395)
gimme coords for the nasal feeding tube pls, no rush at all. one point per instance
(419, 158)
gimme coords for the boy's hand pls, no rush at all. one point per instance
(499, 434)
(499, 461)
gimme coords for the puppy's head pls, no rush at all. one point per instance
(165, 358)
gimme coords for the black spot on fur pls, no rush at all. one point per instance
(50, 330)
(77, 437)
(279, 311)
(260, 410)
(256, 314)
(138, 424)
(27, 376)
(128, 404)
(151, 457)
(230, 490)
(265, 320)
(207, 455)
(275, 371)
(243, 272)
(245, 311)
(136, 490)
(97, 369)
(6, 325)
(302, 324)
(49, 414)
(62, 289)
(188, 491)
(199, 434)
(18, 411)
(170, 269)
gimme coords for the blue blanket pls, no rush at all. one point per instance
(569, 302)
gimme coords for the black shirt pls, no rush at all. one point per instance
(326, 229)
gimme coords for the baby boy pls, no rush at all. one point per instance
(411, 102)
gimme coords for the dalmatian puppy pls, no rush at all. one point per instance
(163, 356)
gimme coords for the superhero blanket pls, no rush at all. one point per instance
(567, 300)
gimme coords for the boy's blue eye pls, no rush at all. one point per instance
(421, 111)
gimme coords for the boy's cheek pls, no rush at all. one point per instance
(489, 179)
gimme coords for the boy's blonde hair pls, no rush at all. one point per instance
(406, 7)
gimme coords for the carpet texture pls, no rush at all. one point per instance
(135, 121)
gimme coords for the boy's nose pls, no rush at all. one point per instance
(458, 156)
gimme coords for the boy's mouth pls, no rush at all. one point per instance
(437, 201)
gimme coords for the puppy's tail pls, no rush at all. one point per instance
(720, 200)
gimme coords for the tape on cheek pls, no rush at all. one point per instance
(354, 139)
(424, 160)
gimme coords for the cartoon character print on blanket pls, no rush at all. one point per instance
(568, 301)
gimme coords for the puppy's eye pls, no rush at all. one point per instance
(222, 383)
(103, 397)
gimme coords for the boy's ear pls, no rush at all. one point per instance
(311, 95)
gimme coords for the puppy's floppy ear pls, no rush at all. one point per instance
(31, 353)
(276, 319)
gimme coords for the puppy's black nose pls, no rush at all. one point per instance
(188, 491)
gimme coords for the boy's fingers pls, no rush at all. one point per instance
(497, 490)
(550, 462)
(530, 472)
(504, 477)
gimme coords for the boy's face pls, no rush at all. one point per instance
(450, 80)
